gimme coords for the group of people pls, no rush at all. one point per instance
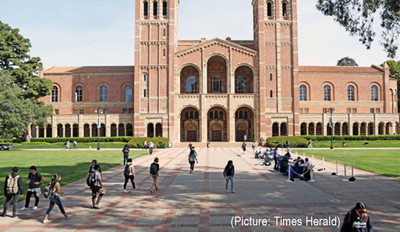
(68, 144)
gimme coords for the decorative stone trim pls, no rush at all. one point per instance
(274, 22)
(286, 66)
(243, 96)
(286, 43)
(270, 42)
(270, 66)
(187, 96)
(154, 22)
(154, 42)
(216, 96)
(153, 66)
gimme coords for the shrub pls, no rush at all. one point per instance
(351, 137)
(295, 141)
(138, 142)
(35, 143)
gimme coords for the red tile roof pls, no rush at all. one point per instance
(90, 69)
(341, 69)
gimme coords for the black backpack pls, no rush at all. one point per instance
(91, 179)
(126, 170)
(153, 169)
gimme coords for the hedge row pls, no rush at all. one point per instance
(351, 137)
(138, 142)
(83, 139)
(295, 141)
(11, 141)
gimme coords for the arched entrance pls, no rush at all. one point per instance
(217, 124)
(150, 130)
(283, 129)
(190, 125)
(275, 129)
(355, 128)
(319, 128)
(216, 75)
(311, 128)
(303, 129)
(158, 130)
(345, 129)
(244, 124)
(363, 129)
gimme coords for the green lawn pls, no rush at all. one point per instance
(384, 162)
(61, 145)
(72, 165)
(350, 143)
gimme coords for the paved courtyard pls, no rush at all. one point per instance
(198, 202)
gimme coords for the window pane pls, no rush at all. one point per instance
(303, 93)
(128, 93)
(327, 93)
(191, 84)
(240, 84)
(374, 93)
(155, 8)
(164, 8)
(103, 93)
(146, 8)
(78, 94)
(54, 94)
(350, 93)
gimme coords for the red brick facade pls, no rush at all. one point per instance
(260, 77)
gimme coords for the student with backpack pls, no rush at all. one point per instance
(12, 189)
(129, 174)
(94, 162)
(244, 147)
(97, 187)
(357, 220)
(34, 179)
(192, 159)
(154, 168)
(126, 153)
(53, 196)
(254, 145)
(229, 173)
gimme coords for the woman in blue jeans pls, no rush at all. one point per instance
(229, 173)
(55, 187)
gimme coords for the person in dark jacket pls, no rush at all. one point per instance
(8, 195)
(357, 220)
(284, 163)
(229, 173)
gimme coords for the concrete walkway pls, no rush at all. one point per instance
(198, 202)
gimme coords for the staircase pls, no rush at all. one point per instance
(214, 144)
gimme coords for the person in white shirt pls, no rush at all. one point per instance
(307, 168)
(151, 147)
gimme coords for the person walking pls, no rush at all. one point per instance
(125, 150)
(98, 190)
(245, 138)
(190, 145)
(74, 143)
(344, 143)
(151, 147)
(129, 173)
(276, 155)
(154, 168)
(145, 144)
(67, 144)
(34, 179)
(208, 144)
(12, 189)
(357, 220)
(192, 159)
(55, 199)
(244, 147)
(254, 145)
(310, 144)
(229, 173)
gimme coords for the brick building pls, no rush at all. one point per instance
(219, 89)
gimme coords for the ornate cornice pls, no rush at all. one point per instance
(153, 22)
(274, 22)
(153, 66)
(154, 42)
(270, 66)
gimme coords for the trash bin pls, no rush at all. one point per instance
(170, 145)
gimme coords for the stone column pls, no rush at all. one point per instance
(384, 130)
(306, 128)
(341, 129)
(359, 129)
(63, 130)
(315, 129)
(231, 127)
(376, 129)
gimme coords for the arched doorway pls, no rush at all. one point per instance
(129, 130)
(150, 130)
(41, 132)
(337, 128)
(244, 124)
(75, 130)
(275, 129)
(190, 125)
(49, 131)
(381, 128)
(345, 129)
(94, 130)
(86, 130)
(303, 129)
(311, 128)
(113, 130)
(158, 130)
(121, 129)
(60, 132)
(33, 131)
(67, 130)
(319, 128)
(103, 130)
(363, 129)
(355, 128)
(217, 124)
(388, 128)
(328, 129)
(284, 129)
(216, 75)
(371, 128)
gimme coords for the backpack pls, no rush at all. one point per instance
(12, 184)
(48, 193)
(153, 169)
(91, 179)
(348, 219)
(126, 170)
(191, 157)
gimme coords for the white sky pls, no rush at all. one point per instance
(101, 32)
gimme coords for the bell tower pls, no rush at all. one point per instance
(155, 40)
(276, 39)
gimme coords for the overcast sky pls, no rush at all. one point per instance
(101, 32)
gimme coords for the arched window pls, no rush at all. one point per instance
(144, 93)
(374, 93)
(145, 77)
(186, 115)
(191, 114)
(271, 93)
(284, 13)
(303, 93)
(54, 94)
(103, 93)
(270, 76)
(211, 115)
(164, 12)
(145, 8)
(327, 93)
(78, 94)
(269, 9)
(155, 10)
(128, 93)
(221, 115)
(246, 115)
(240, 84)
(216, 84)
(191, 84)
(196, 115)
(163, 52)
(350, 93)
(163, 33)
(216, 114)
(240, 114)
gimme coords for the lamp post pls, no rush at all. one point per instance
(331, 126)
(98, 111)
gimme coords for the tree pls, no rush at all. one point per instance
(357, 17)
(20, 85)
(16, 112)
(394, 68)
(15, 61)
(346, 61)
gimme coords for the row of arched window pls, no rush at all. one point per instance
(216, 115)
(191, 114)
(241, 114)
(284, 9)
(103, 94)
(328, 92)
(155, 8)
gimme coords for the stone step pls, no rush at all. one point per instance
(214, 144)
